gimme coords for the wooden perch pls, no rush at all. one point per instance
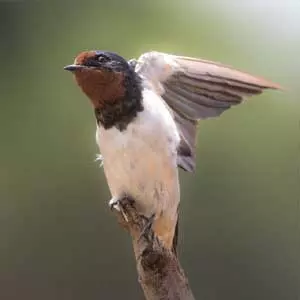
(159, 270)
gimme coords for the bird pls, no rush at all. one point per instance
(147, 111)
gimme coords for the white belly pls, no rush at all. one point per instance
(141, 161)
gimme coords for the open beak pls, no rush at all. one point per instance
(73, 68)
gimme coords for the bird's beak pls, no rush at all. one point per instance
(73, 67)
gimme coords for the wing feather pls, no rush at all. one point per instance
(196, 89)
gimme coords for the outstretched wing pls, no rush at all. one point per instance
(195, 89)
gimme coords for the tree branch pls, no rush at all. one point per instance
(159, 270)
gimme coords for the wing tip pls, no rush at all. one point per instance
(259, 80)
(266, 84)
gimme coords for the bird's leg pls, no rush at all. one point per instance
(116, 203)
(147, 233)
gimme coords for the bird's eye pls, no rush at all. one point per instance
(102, 58)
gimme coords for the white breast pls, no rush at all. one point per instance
(142, 160)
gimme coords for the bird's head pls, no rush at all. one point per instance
(102, 76)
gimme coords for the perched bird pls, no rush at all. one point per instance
(147, 112)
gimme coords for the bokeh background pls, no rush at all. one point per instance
(239, 234)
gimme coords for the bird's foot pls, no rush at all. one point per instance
(100, 158)
(147, 231)
(116, 203)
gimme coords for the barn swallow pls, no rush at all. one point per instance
(147, 111)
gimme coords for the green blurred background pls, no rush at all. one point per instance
(239, 234)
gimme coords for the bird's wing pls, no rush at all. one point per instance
(195, 89)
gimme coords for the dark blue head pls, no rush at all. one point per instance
(112, 85)
(98, 59)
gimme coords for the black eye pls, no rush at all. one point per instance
(102, 58)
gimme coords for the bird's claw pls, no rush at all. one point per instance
(116, 203)
(147, 231)
(100, 158)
